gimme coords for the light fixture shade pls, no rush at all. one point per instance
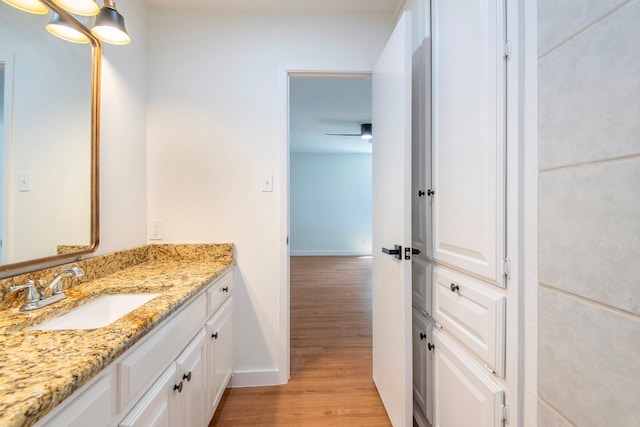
(79, 7)
(30, 6)
(60, 28)
(109, 26)
(365, 131)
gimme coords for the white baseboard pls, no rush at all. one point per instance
(255, 378)
(328, 253)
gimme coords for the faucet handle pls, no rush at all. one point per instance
(31, 294)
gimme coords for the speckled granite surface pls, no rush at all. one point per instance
(39, 369)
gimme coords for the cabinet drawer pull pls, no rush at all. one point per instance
(178, 387)
(187, 376)
(422, 335)
(430, 346)
(225, 289)
(454, 287)
(214, 336)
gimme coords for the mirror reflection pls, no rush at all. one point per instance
(45, 140)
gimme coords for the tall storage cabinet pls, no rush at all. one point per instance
(467, 256)
(422, 263)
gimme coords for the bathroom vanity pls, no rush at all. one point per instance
(166, 362)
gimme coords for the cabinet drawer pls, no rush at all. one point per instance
(139, 370)
(92, 408)
(472, 313)
(218, 292)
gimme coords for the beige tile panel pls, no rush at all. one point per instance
(589, 106)
(559, 20)
(589, 232)
(588, 361)
(548, 417)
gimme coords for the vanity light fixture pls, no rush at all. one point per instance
(60, 28)
(109, 25)
(79, 7)
(30, 6)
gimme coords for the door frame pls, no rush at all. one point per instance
(286, 70)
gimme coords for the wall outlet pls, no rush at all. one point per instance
(155, 229)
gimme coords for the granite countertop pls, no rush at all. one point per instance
(39, 369)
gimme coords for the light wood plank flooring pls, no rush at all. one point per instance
(331, 360)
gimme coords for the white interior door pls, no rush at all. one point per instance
(392, 224)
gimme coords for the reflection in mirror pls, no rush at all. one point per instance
(46, 139)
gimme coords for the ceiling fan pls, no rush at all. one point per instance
(365, 132)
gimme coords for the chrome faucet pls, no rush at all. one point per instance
(34, 299)
(55, 284)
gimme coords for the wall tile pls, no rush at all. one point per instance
(548, 417)
(560, 19)
(587, 361)
(589, 231)
(588, 94)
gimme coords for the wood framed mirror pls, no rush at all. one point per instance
(49, 142)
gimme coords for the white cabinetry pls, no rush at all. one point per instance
(93, 406)
(469, 136)
(473, 313)
(464, 394)
(155, 407)
(422, 370)
(469, 302)
(219, 354)
(173, 377)
(177, 398)
(190, 367)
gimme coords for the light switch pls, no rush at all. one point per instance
(24, 182)
(267, 183)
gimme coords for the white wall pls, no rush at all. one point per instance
(214, 129)
(330, 204)
(123, 187)
(588, 213)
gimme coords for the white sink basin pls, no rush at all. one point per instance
(97, 313)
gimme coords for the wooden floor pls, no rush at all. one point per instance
(331, 381)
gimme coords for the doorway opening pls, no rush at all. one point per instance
(330, 180)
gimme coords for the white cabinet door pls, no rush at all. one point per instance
(219, 354)
(421, 278)
(422, 368)
(469, 135)
(465, 395)
(391, 102)
(421, 190)
(157, 407)
(191, 372)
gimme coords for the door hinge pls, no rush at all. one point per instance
(507, 267)
(504, 413)
(507, 50)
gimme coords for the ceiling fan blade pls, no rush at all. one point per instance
(343, 134)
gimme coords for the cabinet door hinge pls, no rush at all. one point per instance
(507, 267)
(504, 415)
(507, 50)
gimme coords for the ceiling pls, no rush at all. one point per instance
(324, 6)
(318, 106)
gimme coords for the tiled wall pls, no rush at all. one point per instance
(589, 213)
